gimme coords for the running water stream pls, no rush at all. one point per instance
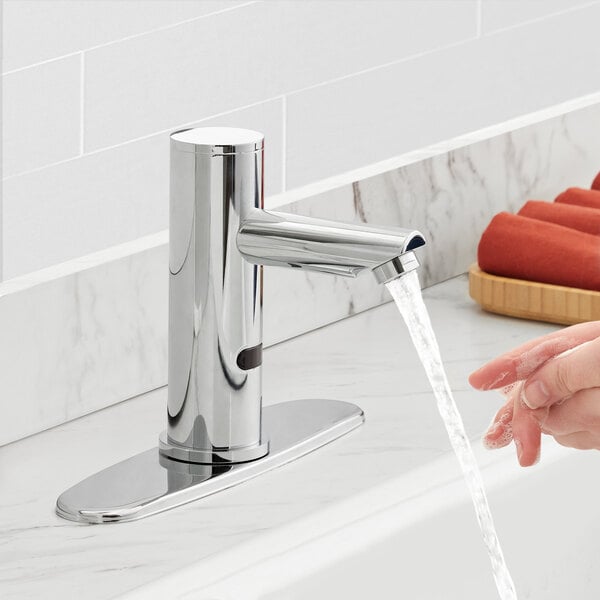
(406, 292)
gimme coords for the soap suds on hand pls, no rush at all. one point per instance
(533, 359)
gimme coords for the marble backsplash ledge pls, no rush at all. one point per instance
(81, 336)
(450, 197)
(93, 332)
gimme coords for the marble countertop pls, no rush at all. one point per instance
(366, 359)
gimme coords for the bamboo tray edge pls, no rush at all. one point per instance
(533, 300)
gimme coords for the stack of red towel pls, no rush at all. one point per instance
(549, 242)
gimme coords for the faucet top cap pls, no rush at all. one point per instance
(217, 140)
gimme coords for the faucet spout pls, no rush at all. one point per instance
(282, 239)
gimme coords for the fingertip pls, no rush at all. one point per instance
(527, 455)
(492, 376)
(475, 379)
(530, 463)
(496, 445)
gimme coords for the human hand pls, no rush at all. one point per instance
(552, 386)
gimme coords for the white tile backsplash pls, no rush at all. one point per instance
(96, 84)
(95, 201)
(40, 115)
(501, 14)
(108, 197)
(366, 118)
(40, 30)
(259, 51)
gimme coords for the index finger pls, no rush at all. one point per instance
(519, 363)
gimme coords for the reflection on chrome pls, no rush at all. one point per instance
(220, 238)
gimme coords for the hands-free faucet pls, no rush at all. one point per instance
(220, 236)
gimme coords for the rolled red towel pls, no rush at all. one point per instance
(581, 218)
(580, 197)
(596, 182)
(524, 248)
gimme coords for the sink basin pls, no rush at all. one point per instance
(417, 537)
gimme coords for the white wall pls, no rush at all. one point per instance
(92, 88)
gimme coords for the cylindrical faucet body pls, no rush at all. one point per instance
(220, 237)
(215, 299)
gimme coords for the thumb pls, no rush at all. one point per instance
(557, 379)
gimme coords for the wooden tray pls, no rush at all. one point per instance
(532, 300)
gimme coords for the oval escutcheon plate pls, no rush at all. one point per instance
(148, 483)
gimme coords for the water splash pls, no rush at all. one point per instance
(406, 292)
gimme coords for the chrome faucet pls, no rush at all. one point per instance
(218, 433)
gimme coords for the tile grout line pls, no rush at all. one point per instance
(129, 37)
(1, 170)
(179, 23)
(141, 138)
(81, 103)
(285, 95)
(296, 91)
(284, 144)
(442, 48)
(41, 63)
(48, 166)
(252, 104)
(545, 17)
(386, 65)
(1, 151)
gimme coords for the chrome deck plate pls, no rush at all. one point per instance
(148, 483)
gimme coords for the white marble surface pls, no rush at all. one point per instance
(92, 332)
(366, 359)
(81, 336)
(411, 526)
